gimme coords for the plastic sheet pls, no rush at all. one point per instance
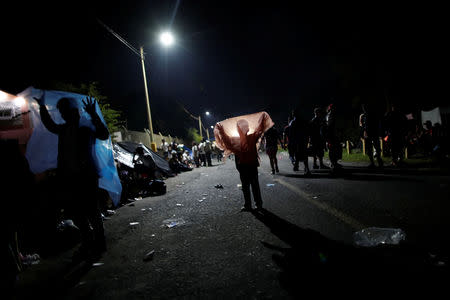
(230, 127)
(42, 148)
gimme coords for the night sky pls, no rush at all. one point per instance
(232, 58)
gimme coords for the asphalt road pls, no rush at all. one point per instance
(302, 242)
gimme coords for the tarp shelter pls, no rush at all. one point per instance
(433, 115)
(15, 120)
(42, 147)
(124, 151)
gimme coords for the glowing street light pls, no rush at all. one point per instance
(207, 113)
(167, 39)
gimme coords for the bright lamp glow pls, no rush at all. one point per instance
(19, 101)
(207, 113)
(166, 39)
(212, 127)
(3, 96)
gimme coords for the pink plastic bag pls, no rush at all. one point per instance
(230, 141)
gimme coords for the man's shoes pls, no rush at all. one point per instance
(295, 168)
(307, 173)
(278, 171)
(246, 209)
(273, 172)
(259, 208)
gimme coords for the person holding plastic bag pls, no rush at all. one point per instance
(244, 147)
(76, 171)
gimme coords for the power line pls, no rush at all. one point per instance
(136, 51)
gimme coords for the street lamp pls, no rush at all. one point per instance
(166, 39)
(207, 113)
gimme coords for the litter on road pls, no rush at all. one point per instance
(373, 236)
(174, 222)
(149, 255)
(270, 184)
(218, 186)
(134, 223)
(179, 204)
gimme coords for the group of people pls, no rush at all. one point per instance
(397, 133)
(305, 139)
(203, 153)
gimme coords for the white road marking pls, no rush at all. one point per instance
(323, 206)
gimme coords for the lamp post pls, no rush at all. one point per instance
(167, 40)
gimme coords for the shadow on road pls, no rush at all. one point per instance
(315, 263)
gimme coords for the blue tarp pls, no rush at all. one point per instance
(42, 148)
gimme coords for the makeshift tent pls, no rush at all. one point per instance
(433, 115)
(14, 119)
(124, 151)
(42, 147)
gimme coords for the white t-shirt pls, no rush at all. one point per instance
(201, 148)
(165, 147)
(195, 150)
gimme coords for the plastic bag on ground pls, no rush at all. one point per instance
(374, 236)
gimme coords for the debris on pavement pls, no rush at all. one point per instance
(98, 264)
(138, 198)
(149, 255)
(179, 204)
(239, 186)
(218, 186)
(204, 195)
(270, 184)
(201, 200)
(174, 222)
(134, 223)
(315, 197)
(110, 212)
(30, 259)
(373, 236)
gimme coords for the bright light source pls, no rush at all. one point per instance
(207, 113)
(3, 96)
(212, 127)
(19, 101)
(166, 39)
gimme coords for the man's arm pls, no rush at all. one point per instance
(45, 116)
(101, 132)
(225, 138)
(260, 128)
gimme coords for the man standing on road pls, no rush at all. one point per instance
(77, 173)
(298, 133)
(246, 157)
(202, 153)
(396, 130)
(334, 145)
(195, 154)
(165, 149)
(208, 152)
(371, 125)
(317, 139)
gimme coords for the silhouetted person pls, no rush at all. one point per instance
(370, 124)
(196, 154)
(317, 140)
(208, 152)
(334, 145)
(246, 159)
(298, 133)
(395, 123)
(272, 138)
(77, 173)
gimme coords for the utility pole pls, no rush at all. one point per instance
(200, 126)
(149, 115)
